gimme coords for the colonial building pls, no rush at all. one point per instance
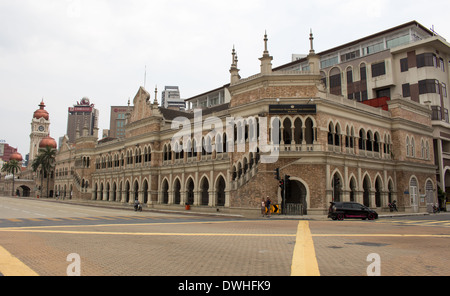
(222, 157)
(28, 182)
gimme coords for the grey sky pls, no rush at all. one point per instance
(63, 50)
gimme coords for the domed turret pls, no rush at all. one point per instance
(48, 141)
(16, 156)
(41, 112)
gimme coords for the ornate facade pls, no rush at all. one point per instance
(332, 148)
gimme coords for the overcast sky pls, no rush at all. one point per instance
(64, 50)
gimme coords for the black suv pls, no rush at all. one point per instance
(341, 210)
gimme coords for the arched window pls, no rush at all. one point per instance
(362, 142)
(330, 133)
(337, 135)
(309, 131)
(376, 142)
(287, 131)
(369, 143)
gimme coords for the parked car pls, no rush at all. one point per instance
(342, 210)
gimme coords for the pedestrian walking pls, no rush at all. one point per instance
(268, 203)
(263, 207)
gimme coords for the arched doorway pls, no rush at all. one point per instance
(114, 192)
(336, 185)
(391, 191)
(127, 192)
(204, 187)
(101, 192)
(24, 191)
(145, 191)
(352, 190)
(378, 191)
(136, 190)
(295, 202)
(165, 192)
(190, 192)
(220, 189)
(366, 194)
(108, 190)
(176, 192)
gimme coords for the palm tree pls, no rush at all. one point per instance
(46, 162)
(11, 167)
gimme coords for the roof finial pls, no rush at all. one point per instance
(311, 38)
(233, 57)
(234, 71)
(265, 42)
(266, 59)
(155, 101)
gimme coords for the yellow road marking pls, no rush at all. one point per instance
(73, 219)
(88, 218)
(381, 235)
(53, 219)
(304, 262)
(106, 218)
(11, 266)
(141, 218)
(14, 220)
(123, 217)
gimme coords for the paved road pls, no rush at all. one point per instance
(42, 238)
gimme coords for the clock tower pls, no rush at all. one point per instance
(40, 125)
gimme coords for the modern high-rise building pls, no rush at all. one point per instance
(118, 120)
(81, 116)
(170, 98)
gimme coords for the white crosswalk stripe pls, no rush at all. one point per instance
(436, 223)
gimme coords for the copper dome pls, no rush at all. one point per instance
(48, 141)
(41, 112)
(16, 156)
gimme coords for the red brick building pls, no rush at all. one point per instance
(332, 147)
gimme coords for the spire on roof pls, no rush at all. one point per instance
(265, 43)
(311, 39)
(234, 71)
(155, 101)
(313, 58)
(233, 57)
(266, 59)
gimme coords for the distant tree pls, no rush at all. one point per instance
(11, 167)
(45, 161)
